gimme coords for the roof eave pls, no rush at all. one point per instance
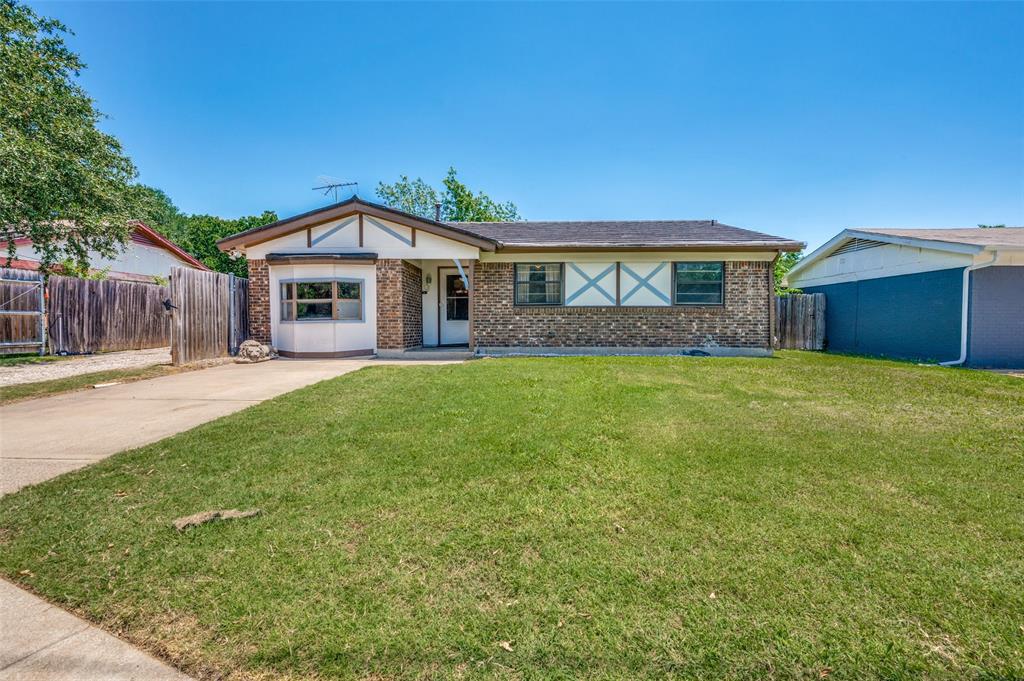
(838, 240)
(345, 209)
(169, 245)
(951, 246)
(521, 247)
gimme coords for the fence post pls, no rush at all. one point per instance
(42, 318)
(232, 350)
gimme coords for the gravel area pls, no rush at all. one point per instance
(86, 364)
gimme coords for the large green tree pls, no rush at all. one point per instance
(201, 233)
(412, 196)
(198, 234)
(64, 184)
(159, 212)
(783, 265)
(458, 202)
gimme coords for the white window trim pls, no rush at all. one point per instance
(313, 280)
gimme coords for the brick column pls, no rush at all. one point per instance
(259, 301)
(399, 305)
(412, 305)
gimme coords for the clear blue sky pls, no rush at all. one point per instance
(797, 119)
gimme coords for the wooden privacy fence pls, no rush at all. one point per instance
(103, 316)
(22, 310)
(800, 321)
(210, 314)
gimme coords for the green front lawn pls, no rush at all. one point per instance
(804, 516)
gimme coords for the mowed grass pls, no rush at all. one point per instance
(805, 516)
(27, 391)
(26, 358)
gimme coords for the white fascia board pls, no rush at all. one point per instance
(628, 256)
(915, 242)
(819, 253)
(848, 234)
(1011, 257)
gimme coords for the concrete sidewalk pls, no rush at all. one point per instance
(40, 439)
(40, 641)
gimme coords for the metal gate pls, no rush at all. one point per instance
(22, 311)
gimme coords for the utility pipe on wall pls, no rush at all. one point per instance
(964, 308)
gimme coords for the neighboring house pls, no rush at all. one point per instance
(954, 296)
(147, 254)
(356, 278)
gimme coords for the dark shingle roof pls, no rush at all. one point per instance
(623, 234)
(589, 234)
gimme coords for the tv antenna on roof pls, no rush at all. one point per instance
(331, 184)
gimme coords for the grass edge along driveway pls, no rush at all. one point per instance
(57, 386)
(806, 516)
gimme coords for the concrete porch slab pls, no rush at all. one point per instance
(428, 353)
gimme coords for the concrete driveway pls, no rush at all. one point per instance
(40, 439)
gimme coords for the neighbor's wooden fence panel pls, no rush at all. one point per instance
(239, 323)
(210, 314)
(800, 321)
(21, 311)
(106, 316)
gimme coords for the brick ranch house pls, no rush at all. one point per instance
(356, 278)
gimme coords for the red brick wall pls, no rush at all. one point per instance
(399, 305)
(259, 301)
(743, 322)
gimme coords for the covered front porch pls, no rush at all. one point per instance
(447, 288)
(424, 308)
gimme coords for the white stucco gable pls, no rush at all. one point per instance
(357, 226)
(386, 238)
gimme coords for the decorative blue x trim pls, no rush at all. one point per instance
(645, 282)
(591, 283)
(384, 228)
(337, 227)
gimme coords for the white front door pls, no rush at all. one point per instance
(453, 311)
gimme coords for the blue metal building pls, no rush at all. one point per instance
(952, 296)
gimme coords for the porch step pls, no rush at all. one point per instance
(436, 354)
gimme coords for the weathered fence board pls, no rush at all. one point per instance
(800, 321)
(239, 322)
(22, 306)
(210, 315)
(105, 316)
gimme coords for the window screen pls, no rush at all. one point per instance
(699, 283)
(539, 284)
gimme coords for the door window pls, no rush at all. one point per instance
(457, 298)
